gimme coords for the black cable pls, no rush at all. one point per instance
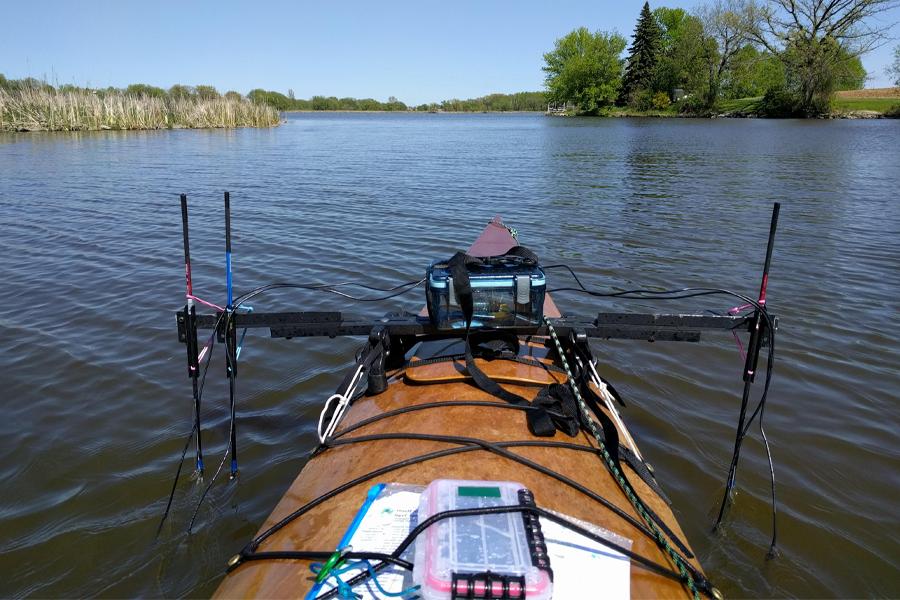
(374, 288)
(213, 481)
(323, 555)
(630, 458)
(569, 269)
(324, 287)
(187, 442)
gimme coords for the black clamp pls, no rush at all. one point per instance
(536, 544)
(378, 351)
(487, 586)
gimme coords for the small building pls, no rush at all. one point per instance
(560, 108)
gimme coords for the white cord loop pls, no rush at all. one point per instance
(343, 401)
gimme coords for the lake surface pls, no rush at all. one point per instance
(96, 402)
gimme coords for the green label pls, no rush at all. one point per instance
(483, 492)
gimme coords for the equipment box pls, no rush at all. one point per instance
(500, 556)
(504, 294)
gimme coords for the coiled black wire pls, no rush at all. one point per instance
(239, 301)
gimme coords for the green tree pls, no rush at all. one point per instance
(727, 26)
(817, 40)
(232, 95)
(585, 68)
(850, 75)
(207, 92)
(643, 56)
(145, 91)
(273, 99)
(394, 104)
(179, 91)
(893, 70)
(682, 55)
(752, 73)
(816, 68)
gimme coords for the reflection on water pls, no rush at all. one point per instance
(96, 403)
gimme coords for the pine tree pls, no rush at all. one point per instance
(643, 56)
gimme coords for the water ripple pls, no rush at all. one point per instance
(96, 398)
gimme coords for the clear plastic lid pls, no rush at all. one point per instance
(481, 554)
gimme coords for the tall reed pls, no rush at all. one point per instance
(37, 109)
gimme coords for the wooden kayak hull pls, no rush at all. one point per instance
(322, 527)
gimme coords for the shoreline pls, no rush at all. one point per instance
(619, 114)
(107, 128)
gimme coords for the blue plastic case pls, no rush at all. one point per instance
(504, 294)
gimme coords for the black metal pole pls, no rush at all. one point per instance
(190, 317)
(228, 282)
(757, 327)
(231, 349)
(230, 336)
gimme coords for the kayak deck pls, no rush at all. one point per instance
(322, 527)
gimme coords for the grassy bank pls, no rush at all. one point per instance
(43, 109)
(872, 103)
(882, 105)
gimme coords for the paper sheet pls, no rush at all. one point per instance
(583, 568)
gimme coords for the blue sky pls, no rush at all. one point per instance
(417, 51)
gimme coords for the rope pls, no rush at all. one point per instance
(345, 590)
(616, 473)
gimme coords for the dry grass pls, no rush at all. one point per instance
(891, 92)
(34, 109)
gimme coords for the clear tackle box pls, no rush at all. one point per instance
(489, 556)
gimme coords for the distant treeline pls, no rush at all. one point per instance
(521, 101)
(34, 105)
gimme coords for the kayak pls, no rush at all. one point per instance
(430, 406)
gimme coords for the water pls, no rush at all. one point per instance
(96, 401)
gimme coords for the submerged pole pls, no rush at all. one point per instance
(190, 316)
(750, 364)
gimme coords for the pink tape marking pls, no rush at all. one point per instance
(202, 301)
(737, 309)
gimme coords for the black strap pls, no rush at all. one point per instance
(539, 422)
(560, 406)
